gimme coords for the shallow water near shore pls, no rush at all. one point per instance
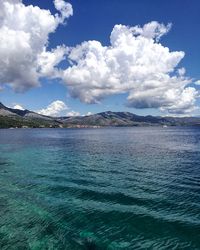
(112, 188)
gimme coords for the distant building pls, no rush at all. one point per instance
(25, 127)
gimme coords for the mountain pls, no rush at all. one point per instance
(112, 119)
(127, 119)
(5, 111)
(25, 118)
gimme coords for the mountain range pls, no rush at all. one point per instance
(12, 118)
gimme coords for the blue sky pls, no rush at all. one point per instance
(94, 20)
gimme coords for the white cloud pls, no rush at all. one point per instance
(17, 106)
(48, 60)
(24, 32)
(73, 113)
(56, 108)
(64, 8)
(134, 63)
(197, 82)
(181, 71)
(150, 30)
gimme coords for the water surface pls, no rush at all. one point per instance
(115, 188)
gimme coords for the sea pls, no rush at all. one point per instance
(107, 188)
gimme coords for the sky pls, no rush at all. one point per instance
(82, 57)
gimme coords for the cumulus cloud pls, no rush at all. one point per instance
(48, 60)
(64, 8)
(24, 32)
(18, 106)
(56, 108)
(181, 71)
(197, 82)
(73, 113)
(151, 30)
(134, 63)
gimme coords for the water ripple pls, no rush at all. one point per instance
(123, 188)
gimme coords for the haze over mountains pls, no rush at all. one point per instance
(10, 117)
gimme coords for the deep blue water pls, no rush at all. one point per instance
(116, 188)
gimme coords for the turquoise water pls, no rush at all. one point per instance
(122, 188)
